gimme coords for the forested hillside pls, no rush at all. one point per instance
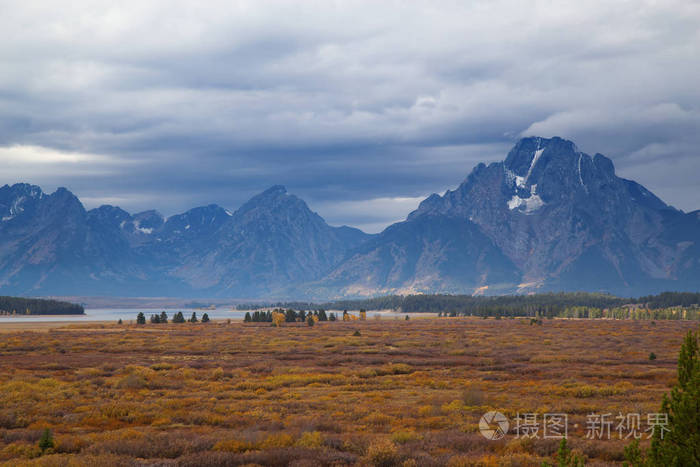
(548, 304)
(35, 306)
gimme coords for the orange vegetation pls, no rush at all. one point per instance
(395, 393)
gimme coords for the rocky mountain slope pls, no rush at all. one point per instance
(548, 217)
(50, 245)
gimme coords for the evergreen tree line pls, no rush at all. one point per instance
(38, 306)
(290, 316)
(162, 318)
(674, 313)
(545, 304)
(670, 299)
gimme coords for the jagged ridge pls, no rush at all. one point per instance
(549, 217)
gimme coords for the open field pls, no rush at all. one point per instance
(399, 393)
(39, 326)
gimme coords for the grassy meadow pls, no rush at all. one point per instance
(376, 392)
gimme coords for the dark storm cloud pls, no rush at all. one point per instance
(360, 108)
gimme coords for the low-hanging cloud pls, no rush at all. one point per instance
(345, 103)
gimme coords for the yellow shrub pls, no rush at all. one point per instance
(382, 453)
(452, 407)
(377, 419)
(233, 445)
(404, 436)
(310, 439)
(279, 440)
(27, 451)
(162, 421)
(217, 374)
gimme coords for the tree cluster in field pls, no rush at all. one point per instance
(37, 306)
(545, 304)
(289, 316)
(162, 318)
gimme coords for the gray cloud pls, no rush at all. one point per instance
(349, 104)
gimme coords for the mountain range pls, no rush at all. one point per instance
(549, 217)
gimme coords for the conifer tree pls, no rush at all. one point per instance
(680, 445)
(205, 318)
(290, 316)
(140, 318)
(46, 440)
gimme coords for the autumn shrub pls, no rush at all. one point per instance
(233, 445)
(382, 453)
(25, 435)
(404, 436)
(395, 369)
(367, 373)
(291, 456)
(377, 419)
(473, 396)
(310, 439)
(217, 374)
(19, 449)
(10, 419)
(83, 460)
(326, 424)
(69, 444)
(461, 461)
(519, 460)
(277, 440)
(460, 441)
(132, 381)
(544, 447)
(162, 445)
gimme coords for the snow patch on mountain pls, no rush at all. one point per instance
(145, 230)
(526, 205)
(535, 158)
(16, 208)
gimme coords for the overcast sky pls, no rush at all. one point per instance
(360, 108)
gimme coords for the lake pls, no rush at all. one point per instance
(125, 314)
(129, 314)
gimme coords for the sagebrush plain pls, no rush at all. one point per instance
(376, 392)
